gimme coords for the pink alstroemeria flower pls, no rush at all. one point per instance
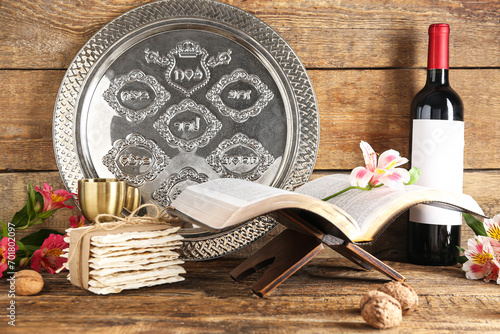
(483, 259)
(383, 173)
(54, 199)
(6, 254)
(492, 227)
(49, 254)
(77, 221)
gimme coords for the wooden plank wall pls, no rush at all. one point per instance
(366, 59)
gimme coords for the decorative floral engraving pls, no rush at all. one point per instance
(240, 95)
(240, 157)
(136, 96)
(176, 183)
(135, 159)
(187, 125)
(187, 65)
(223, 58)
(155, 58)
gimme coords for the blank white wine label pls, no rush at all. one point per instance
(438, 150)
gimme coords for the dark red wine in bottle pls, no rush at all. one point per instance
(437, 148)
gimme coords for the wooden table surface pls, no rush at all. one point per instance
(322, 297)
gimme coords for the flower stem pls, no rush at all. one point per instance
(340, 192)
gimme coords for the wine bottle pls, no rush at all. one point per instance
(437, 148)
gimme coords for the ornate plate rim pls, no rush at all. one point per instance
(73, 84)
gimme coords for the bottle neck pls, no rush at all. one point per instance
(438, 57)
(437, 77)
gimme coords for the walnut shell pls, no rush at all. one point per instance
(28, 282)
(403, 293)
(380, 310)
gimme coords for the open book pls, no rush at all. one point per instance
(358, 216)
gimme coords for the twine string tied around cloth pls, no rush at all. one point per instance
(162, 216)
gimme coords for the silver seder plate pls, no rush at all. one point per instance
(177, 92)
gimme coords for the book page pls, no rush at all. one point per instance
(359, 204)
(223, 203)
(374, 208)
(238, 193)
(359, 214)
(217, 203)
(363, 204)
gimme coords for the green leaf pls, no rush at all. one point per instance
(46, 214)
(37, 238)
(30, 205)
(30, 249)
(476, 225)
(20, 218)
(5, 232)
(414, 175)
(462, 259)
(21, 246)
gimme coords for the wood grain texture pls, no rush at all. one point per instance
(374, 105)
(354, 105)
(27, 99)
(324, 34)
(322, 297)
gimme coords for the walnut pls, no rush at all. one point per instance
(380, 310)
(28, 282)
(403, 293)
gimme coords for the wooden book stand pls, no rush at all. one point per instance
(291, 249)
(285, 254)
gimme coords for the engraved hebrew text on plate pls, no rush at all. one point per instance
(240, 95)
(135, 159)
(187, 125)
(187, 65)
(240, 157)
(136, 96)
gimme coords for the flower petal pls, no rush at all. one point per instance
(369, 155)
(395, 178)
(47, 197)
(492, 227)
(48, 256)
(6, 253)
(475, 271)
(474, 247)
(492, 275)
(360, 177)
(36, 260)
(483, 261)
(77, 221)
(47, 188)
(390, 159)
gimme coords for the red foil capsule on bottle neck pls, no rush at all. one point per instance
(438, 46)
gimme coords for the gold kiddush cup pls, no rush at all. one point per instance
(132, 198)
(99, 196)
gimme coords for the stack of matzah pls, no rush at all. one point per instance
(128, 257)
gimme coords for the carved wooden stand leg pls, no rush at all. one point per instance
(285, 254)
(290, 250)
